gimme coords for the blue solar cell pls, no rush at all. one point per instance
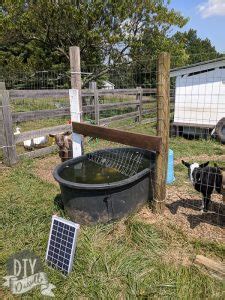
(71, 234)
(69, 245)
(68, 250)
(61, 244)
(70, 240)
(66, 232)
(55, 222)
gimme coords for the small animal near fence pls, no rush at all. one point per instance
(158, 143)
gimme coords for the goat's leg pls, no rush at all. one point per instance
(202, 205)
(207, 200)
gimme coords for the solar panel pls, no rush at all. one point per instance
(62, 244)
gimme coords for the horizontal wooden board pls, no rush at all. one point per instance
(64, 93)
(33, 94)
(39, 152)
(218, 268)
(40, 114)
(119, 117)
(41, 132)
(52, 113)
(114, 135)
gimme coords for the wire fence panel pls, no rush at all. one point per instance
(125, 96)
(198, 124)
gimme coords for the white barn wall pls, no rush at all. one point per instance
(200, 98)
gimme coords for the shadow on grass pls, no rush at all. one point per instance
(58, 201)
(215, 216)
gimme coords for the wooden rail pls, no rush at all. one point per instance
(39, 152)
(41, 132)
(60, 112)
(10, 155)
(114, 135)
(64, 93)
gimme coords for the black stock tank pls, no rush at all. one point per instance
(92, 194)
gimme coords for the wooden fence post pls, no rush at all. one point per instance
(163, 118)
(6, 128)
(75, 69)
(96, 101)
(76, 72)
(93, 86)
(140, 103)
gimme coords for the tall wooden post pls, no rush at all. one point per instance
(163, 119)
(7, 141)
(93, 87)
(139, 99)
(75, 70)
(96, 101)
(76, 98)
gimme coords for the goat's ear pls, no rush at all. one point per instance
(52, 135)
(204, 165)
(185, 163)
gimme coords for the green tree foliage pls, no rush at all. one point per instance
(196, 49)
(36, 35)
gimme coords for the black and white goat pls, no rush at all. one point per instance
(205, 180)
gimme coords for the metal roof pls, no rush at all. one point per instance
(200, 66)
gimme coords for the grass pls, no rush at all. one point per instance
(124, 260)
(188, 148)
(22, 105)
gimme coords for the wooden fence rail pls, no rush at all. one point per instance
(9, 141)
(63, 93)
(60, 112)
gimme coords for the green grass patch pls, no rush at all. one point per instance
(188, 148)
(112, 261)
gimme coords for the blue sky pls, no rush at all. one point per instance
(206, 16)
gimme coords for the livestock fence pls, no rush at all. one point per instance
(127, 104)
(123, 97)
(28, 113)
(198, 124)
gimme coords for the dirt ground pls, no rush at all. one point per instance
(182, 207)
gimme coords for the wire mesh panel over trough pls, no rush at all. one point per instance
(124, 161)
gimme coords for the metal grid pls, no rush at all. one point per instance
(124, 161)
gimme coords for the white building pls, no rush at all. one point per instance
(108, 85)
(199, 95)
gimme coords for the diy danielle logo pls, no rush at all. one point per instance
(25, 272)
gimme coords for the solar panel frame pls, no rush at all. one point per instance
(73, 248)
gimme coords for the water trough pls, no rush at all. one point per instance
(93, 194)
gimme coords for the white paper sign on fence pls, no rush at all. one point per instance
(75, 117)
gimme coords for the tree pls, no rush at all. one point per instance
(36, 35)
(197, 49)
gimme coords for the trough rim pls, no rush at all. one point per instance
(106, 186)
